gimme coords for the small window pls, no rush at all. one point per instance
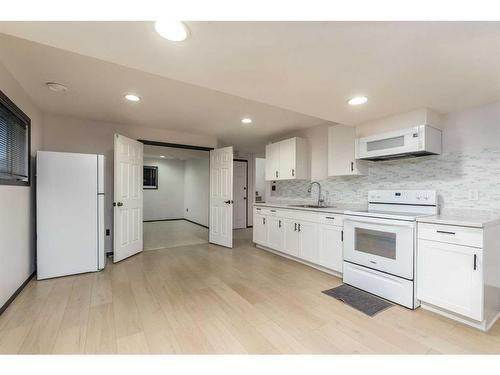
(14, 144)
(150, 177)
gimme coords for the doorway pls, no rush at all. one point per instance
(240, 193)
(176, 196)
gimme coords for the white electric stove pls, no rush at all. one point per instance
(380, 243)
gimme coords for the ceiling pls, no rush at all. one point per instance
(310, 68)
(156, 152)
(96, 90)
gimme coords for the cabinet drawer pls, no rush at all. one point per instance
(331, 219)
(451, 234)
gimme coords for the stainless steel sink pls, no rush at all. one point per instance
(310, 206)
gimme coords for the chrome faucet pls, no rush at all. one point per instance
(320, 201)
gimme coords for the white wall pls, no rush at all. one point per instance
(251, 182)
(66, 134)
(166, 202)
(17, 207)
(261, 185)
(196, 190)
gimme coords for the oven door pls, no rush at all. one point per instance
(382, 244)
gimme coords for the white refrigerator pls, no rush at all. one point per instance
(69, 213)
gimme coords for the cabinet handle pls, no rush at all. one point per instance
(445, 232)
(293, 172)
(342, 236)
(299, 227)
(330, 217)
(295, 226)
(276, 173)
(263, 220)
(352, 166)
(279, 223)
(475, 262)
(273, 210)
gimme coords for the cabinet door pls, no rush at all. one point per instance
(330, 247)
(308, 241)
(341, 152)
(287, 153)
(275, 233)
(260, 230)
(450, 276)
(291, 245)
(272, 161)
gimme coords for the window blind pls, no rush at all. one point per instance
(13, 146)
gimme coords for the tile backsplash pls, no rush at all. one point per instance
(455, 176)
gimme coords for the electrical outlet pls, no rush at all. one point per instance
(473, 195)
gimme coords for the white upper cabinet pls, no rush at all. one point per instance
(272, 161)
(341, 152)
(288, 160)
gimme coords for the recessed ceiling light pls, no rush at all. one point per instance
(162, 156)
(57, 87)
(174, 31)
(132, 97)
(357, 100)
(246, 120)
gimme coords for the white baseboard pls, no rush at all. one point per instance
(483, 326)
(313, 265)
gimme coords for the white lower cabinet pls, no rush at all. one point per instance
(330, 247)
(450, 276)
(308, 241)
(291, 245)
(259, 229)
(312, 237)
(275, 233)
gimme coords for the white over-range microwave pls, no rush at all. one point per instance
(410, 142)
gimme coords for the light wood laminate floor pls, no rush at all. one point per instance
(208, 299)
(172, 233)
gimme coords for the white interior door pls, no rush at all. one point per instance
(221, 197)
(240, 194)
(127, 210)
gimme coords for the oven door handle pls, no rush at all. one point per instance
(380, 221)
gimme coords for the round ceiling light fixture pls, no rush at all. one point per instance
(357, 100)
(132, 97)
(246, 120)
(56, 87)
(175, 31)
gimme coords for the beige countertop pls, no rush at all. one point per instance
(337, 208)
(463, 217)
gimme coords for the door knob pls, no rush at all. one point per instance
(229, 201)
(119, 204)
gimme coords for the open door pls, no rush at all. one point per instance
(221, 197)
(127, 204)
